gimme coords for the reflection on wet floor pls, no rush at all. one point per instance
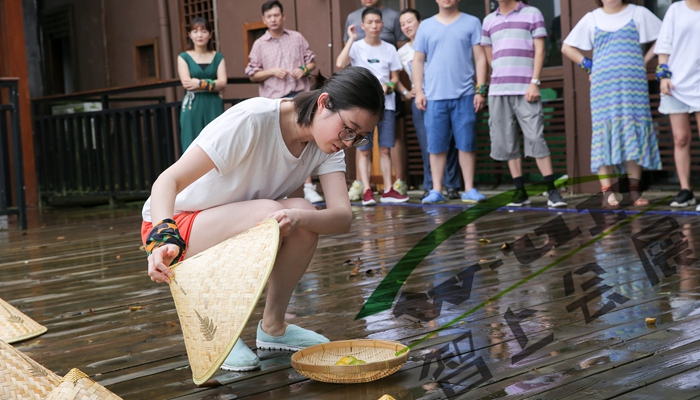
(576, 330)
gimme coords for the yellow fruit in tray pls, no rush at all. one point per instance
(346, 360)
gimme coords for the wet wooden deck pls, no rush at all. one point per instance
(80, 273)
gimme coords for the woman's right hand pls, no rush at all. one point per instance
(666, 86)
(191, 84)
(159, 261)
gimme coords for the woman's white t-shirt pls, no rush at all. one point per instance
(252, 161)
(583, 34)
(406, 54)
(680, 38)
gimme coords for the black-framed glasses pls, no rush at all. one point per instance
(350, 134)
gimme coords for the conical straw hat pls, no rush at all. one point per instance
(216, 291)
(15, 326)
(78, 386)
(23, 378)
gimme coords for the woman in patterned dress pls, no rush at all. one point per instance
(623, 133)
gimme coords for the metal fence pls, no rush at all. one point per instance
(110, 153)
(11, 163)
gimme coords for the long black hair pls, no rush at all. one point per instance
(202, 23)
(353, 87)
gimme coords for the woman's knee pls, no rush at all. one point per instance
(681, 138)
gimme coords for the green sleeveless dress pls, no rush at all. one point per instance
(199, 108)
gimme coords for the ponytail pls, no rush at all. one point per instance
(353, 87)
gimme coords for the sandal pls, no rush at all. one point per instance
(635, 193)
(607, 195)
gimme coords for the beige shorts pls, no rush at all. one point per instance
(505, 113)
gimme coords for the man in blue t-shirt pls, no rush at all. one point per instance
(450, 42)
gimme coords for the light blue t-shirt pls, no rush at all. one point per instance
(449, 61)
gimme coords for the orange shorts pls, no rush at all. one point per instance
(184, 223)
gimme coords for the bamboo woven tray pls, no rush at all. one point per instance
(318, 362)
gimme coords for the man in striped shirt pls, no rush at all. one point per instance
(513, 37)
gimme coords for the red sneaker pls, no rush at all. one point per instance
(368, 198)
(392, 196)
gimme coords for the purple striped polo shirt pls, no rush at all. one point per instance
(512, 40)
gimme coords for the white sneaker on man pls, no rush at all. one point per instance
(311, 194)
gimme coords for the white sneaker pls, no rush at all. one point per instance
(311, 194)
(355, 192)
(401, 187)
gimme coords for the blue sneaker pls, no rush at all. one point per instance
(294, 339)
(472, 196)
(433, 197)
(241, 359)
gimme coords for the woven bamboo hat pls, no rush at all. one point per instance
(15, 326)
(23, 378)
(216, 291)
(78, 386)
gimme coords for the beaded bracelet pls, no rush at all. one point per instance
(662, 72)
(165, 232)
(207, 84)
(482, 89)
(391, 86)
(305, 69)
(586, 64)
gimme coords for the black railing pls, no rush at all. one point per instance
(112, 153)
(11, 165)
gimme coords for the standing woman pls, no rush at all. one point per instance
(623, 133)
(679, 74)
(239, 172)
(202, 72)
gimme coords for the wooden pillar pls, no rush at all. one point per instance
(13, 63)
(577, 103)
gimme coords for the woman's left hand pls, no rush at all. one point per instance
(287, 220)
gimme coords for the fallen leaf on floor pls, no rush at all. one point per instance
(60, 238)
(118, 257)
(483, 260)
(92, 312)
(172, 324)
(136, 308)
(98, 374)
(505, 247)
(308, 290)
(484, 241)
(354, 272)
(650, 321)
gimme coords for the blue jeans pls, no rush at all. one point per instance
(450, 178)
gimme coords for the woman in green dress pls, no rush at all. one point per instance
(203, 74)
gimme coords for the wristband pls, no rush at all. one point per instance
(305, 69)
(165, 232)
(662, 72)
(481, 89)
(390, 87)
(586, 64)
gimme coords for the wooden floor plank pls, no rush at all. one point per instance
(81, 271)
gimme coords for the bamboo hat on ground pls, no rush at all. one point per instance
(78, 386)
(216, 291)
(15, 326)
(23, 378)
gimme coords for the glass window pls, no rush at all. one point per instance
(659, 7)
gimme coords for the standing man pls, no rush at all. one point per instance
(382, 59)
(280, 62)
(392, 34)
(513, 38)
(450, 41)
